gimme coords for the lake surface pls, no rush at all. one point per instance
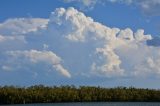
(94, 104)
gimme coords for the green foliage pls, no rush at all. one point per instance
(44, 94)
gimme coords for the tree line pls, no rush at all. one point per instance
(45, 94)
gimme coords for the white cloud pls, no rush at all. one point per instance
(139, 35)
(149, 7)
(11, 38)
(13, 32)
(84, 3)
(72, 40)
(106, 42)
(20, 26)
(11, 42)
(111, 65)
(150, 65)
(121, 1)
(41, 56)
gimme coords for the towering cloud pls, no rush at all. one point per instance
(77, 46)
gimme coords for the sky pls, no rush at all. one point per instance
(80, 42)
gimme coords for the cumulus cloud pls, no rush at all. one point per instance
(74, 44)
(110, 46)
(13, 32)
(152, 68)
(41, 56)
(111, 65)
(20, 26)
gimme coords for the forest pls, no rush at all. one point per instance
(53, 94)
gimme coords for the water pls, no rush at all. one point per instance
(94, 104)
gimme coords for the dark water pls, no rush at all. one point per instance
(94, 104)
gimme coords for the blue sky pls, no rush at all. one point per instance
(80, 42)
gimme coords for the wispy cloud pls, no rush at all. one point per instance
(148, 7)
(84, 4)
